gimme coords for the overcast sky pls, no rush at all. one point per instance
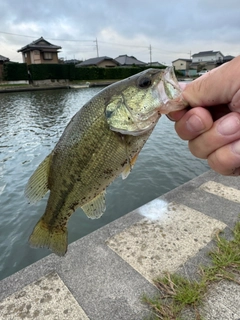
(174, 28)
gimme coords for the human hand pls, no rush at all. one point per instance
(212, 125)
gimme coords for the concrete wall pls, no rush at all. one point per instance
(180, 65)
(106, 64)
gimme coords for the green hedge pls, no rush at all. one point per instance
(19, 71)
(15, 71)
(95, 73)
(51, 71)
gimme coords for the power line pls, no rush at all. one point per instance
(149, 48)
(15, 34)
(123, 45)
(96, 41)
(21, 35)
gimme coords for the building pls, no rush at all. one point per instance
(71, 61)
(201, 62)
(206, 60)
(129, 61)
(40, 51)
(207, 56)
(227, 58)
(101, 62)
(182, 65)
(155, 64)
(2, 61)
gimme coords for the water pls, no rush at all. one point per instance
(30, 125)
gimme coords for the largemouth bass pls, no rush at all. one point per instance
(101, 141)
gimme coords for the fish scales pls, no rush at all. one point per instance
(100, 142)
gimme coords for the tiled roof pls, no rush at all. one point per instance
(2, 58)
(183, 59)
(96, 61)
(125, 60)
(40, 43)
(205, 53)
(229, 57)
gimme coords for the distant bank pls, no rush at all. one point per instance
(52, 85)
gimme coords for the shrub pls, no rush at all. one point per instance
(15, 71)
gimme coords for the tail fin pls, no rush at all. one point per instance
(53, 239)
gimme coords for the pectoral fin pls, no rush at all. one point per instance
(129, 167)
(37, 185)
(96, 207)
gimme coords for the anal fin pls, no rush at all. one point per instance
(129, 167)
(95, 208)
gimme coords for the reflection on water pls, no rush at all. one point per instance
(30, 125)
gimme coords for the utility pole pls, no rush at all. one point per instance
(150, 52)
(97, 47)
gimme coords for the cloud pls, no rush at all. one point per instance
(173, 29)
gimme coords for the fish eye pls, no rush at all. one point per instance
(144, 82)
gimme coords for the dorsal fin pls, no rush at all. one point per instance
(37, 185)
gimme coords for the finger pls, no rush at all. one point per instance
(226, 160)
(193, 123)
(234, 105)
(224, 131)
(216, 87)
(176, 115)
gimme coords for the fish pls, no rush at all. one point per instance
(101, 141)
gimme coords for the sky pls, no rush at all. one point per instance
(150, 30)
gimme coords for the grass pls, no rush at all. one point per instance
(178, 294)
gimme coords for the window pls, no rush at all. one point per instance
(47, 55)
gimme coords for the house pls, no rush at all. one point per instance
(101, 62)
(227, 58)
(182, 65)
(206, 60)
(40, 51)
(71, 61)
(155, 64)
(129, 61)
(2, 61)
(207, 56)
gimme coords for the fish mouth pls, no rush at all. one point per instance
(170, 93)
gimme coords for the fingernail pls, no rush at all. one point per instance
(236, 147)
(195, 124)
(169, 117)
(229, 125)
